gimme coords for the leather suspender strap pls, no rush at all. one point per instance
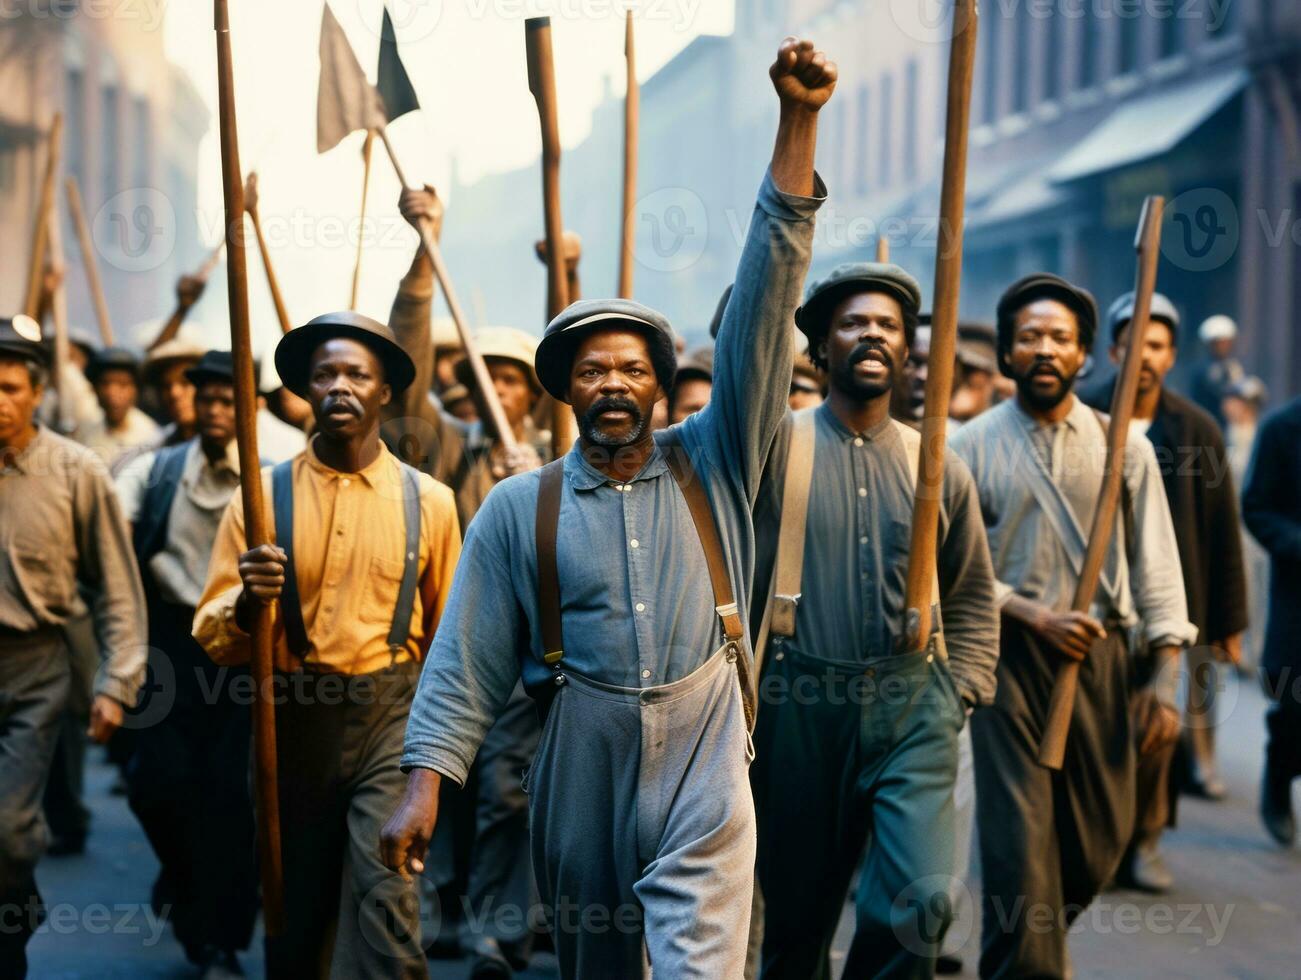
(788, 565)
(912, 446)
(401, 628)
(291, 607)
(546, 523)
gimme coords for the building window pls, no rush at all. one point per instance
(1089, 28)
(1055, 34)
(142, 137)
(990, 79)
(1021, 45)
(861, 133)
(74, 124)
(111, 179)
(1172, 34)
(1131, 33)
(910, 118)
(887, 135)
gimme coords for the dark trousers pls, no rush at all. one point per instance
(188, 786)
(1049, 840)
(65, 813)
(339, 741)
(1283, 724)
(847, 754)
(34, 682)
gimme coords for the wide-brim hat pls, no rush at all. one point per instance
(294, 352)
(1045, 285)
(20, 336)
(185, 346)
(112, 359)
(503, 344)
(1121, 312)
(847, 279)
(214, 365)
(555, 353)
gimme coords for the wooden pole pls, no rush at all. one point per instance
(88, 260)
(497, 415)
(41, 227)
(250, 206)
(882, 249)
(59, 314)
(944, 330)
(631, 107)
(256, 531)
(542, 83)
(1061, 706)
(366, 151)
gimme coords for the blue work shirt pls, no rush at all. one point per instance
(636, 601)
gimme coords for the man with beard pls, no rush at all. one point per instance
(360, 572)
(879, 759)
(1050, 840)
(188, 775)
(1199, 487)
(628, 628)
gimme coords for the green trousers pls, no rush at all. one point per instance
(848, 757)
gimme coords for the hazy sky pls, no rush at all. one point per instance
(466, 59)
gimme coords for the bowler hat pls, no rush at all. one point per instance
(294, 352)
(555, 353)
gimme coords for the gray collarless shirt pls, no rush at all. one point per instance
(637, 606)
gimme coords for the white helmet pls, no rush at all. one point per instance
(1218, 327)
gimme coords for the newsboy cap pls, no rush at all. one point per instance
(855, 277)
(20, 336)
(112, 359)
(1121, 312)
(214, 365)
(555, 355)
(294, 352)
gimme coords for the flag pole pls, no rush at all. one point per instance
(631, 107)
(497, 415)
(88, 260)
(366, 152)
(256, 530)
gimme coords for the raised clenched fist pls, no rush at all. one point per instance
(802, 75)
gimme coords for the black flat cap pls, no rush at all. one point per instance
(555, 354)
(847, 279)
(295, 349)
(1045, 285)
(1121, 311)
(20, 336)
(214, 365)
(112, 359)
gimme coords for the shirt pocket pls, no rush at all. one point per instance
(380, 592)
(45, 579)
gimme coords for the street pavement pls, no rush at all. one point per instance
(1235, 911)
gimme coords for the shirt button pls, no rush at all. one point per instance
(645, 673)
(640, 607)
(858, 441)
(862, 491)
(346, 481)
(863, 539)
(635, 543)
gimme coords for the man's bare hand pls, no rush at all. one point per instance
(105, 718)
(189, 289)
(406, 836)
(1156, 724)
(421, 204)
(262, 570)
(1069, 633)
(802, 75)
(250, 192)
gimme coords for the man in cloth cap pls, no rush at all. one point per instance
(164, 375)
(1219, 368)
(114, 374)
(361, 568)
(482, 851)
(628, 627)
(1050, 840)
(1204, 508)
(691, 384)
(878, 761)
(187, 779)
(61, 536)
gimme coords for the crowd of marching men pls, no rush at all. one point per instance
(578, 742)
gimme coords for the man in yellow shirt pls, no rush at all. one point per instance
(361, 570)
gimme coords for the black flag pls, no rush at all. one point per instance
(394, 85)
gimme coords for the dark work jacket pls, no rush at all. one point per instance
(1195, 470)
(1271, 506)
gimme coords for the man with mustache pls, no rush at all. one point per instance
(1199, 486)
(360, 572)
(628, 626)
(1050, 840)
(858, 734)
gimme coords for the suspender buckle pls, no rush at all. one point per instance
(783, 614)
(553, 658)
(730, 617)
